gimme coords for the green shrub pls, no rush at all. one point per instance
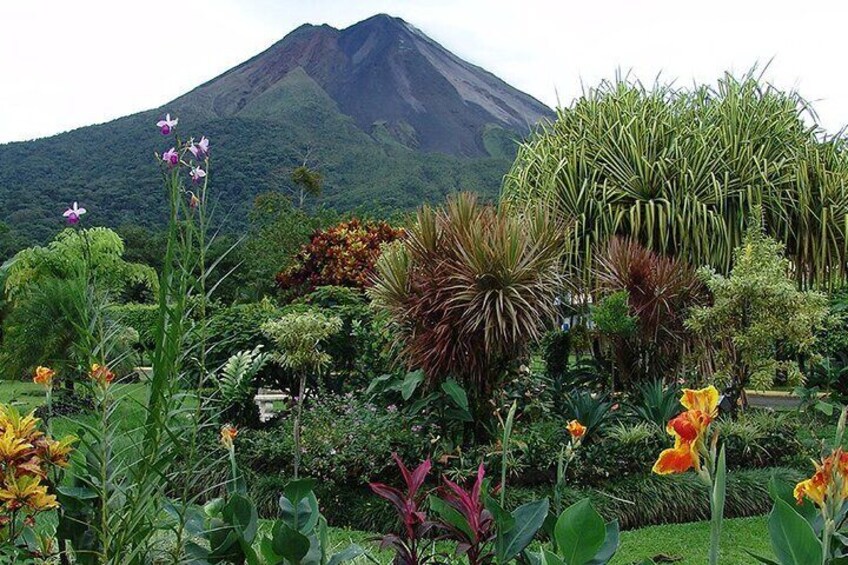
(636, 502)
(592, 410)
(141, 318)
(238, 328)
(346, 440)
(763, 438)
(655, 403)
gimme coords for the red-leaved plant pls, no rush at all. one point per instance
(341, 255)
(474, 528)
(409, 506)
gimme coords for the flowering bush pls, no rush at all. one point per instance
(31, 464)
(343, 255)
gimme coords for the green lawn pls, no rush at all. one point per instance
(686, 542)
(682, 544)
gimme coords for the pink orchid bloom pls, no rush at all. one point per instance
(197, 174)
(171, 157)
(166, 125)
(73, 213)
(200, 149)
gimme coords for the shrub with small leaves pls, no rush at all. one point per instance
(343, 255)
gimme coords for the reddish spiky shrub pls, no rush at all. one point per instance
(660, 291)
(343, 255)
(469, 288)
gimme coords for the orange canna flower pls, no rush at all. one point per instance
(688, 430)
(576, 429)
(228, 434)
(704, 400)
(831, 473)
(44, 376)
(101, 374)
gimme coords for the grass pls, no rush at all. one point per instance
(682, 544)
(686, 542)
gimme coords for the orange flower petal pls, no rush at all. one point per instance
(678, 459)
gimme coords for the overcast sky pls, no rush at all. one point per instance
(70, 63)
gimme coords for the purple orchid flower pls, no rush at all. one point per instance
(73, 214)
(200, 149)
(166, 125)
(171, 157)
(197, 174)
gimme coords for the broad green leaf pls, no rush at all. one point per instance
(780, 490)
(241, 514)
(456, 393)
(79, 493)
(296, 490)
(548, 558)
(450, 515)
(528, 519)
(792, 537)
(289, 543)
(305, 517)
(762, 559)
(410, 383)
(580, 533)
(504, 521)
(609, 547)
(213, 507)
(377, 381)
(349, 553)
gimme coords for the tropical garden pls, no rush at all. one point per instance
(638, 354)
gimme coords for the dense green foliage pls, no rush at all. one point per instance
(758, 321)
(117, 182)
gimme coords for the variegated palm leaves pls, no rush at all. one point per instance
(680, 170)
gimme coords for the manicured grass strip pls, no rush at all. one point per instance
(691, 542)
(687, 542)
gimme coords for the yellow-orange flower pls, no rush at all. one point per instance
(44, 376)
(576, 429)
(703, 400)
(228, 434)
(101, 374)
(58, 452)
(823, 484)
(688, 430)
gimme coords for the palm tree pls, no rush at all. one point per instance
(680, 170)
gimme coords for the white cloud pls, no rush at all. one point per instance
(68, 64)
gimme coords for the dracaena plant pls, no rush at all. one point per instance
(410, 544)
(484, 531)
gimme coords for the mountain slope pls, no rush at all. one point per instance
(387, 115)
(385, 74)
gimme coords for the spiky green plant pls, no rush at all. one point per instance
(680, 170)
